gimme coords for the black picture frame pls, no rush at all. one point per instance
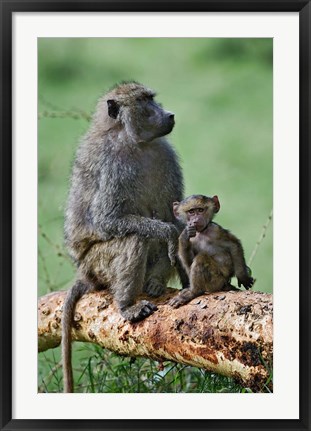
(7, 10)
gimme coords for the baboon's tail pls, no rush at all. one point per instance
(73, 296)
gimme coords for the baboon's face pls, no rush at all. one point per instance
(197, 210)
(148, 119)
(142, 117)
(200, 217)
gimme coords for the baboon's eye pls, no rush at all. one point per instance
(147, 113)
(201, 210)
(144, 98)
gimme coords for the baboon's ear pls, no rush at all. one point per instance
(175, 209)
(216, 203)
(113, 108)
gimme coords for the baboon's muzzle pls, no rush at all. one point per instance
(170, 122)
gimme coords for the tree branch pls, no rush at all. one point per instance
(228, 332)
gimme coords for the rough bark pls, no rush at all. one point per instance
(230, 333)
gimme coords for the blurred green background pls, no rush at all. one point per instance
(221, 93)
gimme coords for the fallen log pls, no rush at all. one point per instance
(230, 333)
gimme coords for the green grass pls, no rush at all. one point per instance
(104, 371)
(221, 93)
(99, 370)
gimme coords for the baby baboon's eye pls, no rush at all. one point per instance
(201, 210)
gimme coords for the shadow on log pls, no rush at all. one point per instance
(230, 333)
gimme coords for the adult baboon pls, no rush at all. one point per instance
(120, 228)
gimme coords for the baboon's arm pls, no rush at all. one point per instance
(115, 211)
(135, 224)
(185, 252)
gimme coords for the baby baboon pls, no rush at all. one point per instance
(210, 254)
(120, 228)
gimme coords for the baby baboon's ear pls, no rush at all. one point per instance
(216, 203)
(113, 108)
(175, 209)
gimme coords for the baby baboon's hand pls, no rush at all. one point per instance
(182, 298)
(191, 230)
(246, 278)
(246, 281)
(177, 301)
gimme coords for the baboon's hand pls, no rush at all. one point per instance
(172, 252)
(246, 281)
(138, 311)
(191, 230)
(184, 237)
(154, 287)
(183, 297)
(177, 301)
(172, 243)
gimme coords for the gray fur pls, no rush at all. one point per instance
(119, 226)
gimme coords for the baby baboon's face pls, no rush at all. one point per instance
(144, 119)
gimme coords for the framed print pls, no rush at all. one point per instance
(234, 80)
